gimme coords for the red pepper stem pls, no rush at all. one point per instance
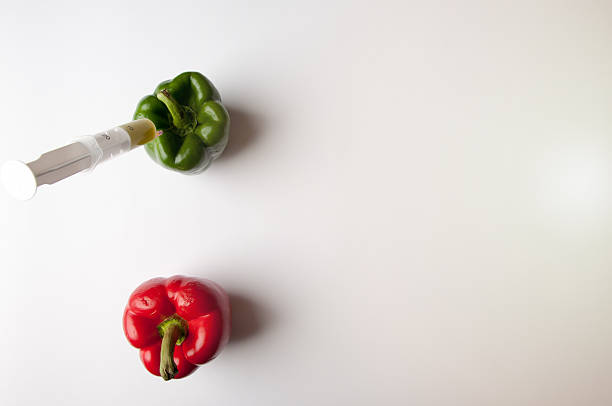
(176, 110)
(167, 367)
(173, 331)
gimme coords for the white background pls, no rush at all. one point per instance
(414, 207)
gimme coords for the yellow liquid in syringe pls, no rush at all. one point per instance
(140, 131)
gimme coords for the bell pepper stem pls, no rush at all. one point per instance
(176, 110)
(167, 367)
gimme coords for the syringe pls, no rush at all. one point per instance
(21, 180)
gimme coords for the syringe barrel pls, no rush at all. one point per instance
(106, 145)
(118, 140)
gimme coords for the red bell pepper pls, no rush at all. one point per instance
(178, 323)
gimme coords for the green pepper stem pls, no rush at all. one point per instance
(176, 110)
(167, 367)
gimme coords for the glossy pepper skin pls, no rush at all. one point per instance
(178, 323)
(194, 124)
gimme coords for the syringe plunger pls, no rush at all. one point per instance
(21, 180)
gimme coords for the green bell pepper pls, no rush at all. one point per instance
(194, 124)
